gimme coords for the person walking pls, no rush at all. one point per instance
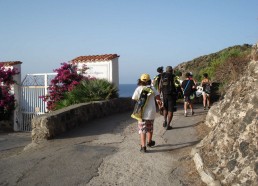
(206, 84)
(155, 83)
(188, 87)
(145, 96)
(157, 78)
(169, 93)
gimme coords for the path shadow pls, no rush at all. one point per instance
(187, 126)
(115, 123)
(156, 149)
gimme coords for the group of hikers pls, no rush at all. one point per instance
(161, 94)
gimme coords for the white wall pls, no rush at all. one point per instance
(103, 70)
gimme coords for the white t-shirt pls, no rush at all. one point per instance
(150, 108)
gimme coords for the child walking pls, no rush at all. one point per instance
(188, 87)
(145, 110)
(206, 84)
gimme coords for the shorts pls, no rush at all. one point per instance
(145, 126)
(169, 102)
(187, 99)
(205, 94)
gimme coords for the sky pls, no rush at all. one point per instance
(145, 34)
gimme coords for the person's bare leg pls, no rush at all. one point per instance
(185, 106)
(204, 101)
(143, 139)
(208, 101)
(165, 113)
(170, 116)
(149, 134)
(191, 106)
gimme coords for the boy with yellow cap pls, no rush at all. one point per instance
(145, 109)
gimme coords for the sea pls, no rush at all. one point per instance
(126, 90)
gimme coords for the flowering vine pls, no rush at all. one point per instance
(65, 81)
(7, 100)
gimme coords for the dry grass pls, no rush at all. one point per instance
(202, 130)
(190, 175)
(186, 170)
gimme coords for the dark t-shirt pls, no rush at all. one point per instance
(188, 90)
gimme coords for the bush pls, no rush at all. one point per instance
(89, 90)
(66, 80)
(7, 101)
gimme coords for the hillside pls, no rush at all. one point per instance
(223, 67)
(228, 154)
(229, 62)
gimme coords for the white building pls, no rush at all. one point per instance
(100, 66)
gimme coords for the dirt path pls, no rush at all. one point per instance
(106, 152)
(167, 163)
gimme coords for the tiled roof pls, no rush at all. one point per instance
(95, 58)
(10, 63)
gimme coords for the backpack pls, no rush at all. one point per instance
(207, 88)
(156, 82)
(167, 84)
(141, 103)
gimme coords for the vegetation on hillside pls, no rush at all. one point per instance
(223, 67)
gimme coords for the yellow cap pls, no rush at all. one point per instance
(145, 77)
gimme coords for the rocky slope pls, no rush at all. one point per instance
(229, 153)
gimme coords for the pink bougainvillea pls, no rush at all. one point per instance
(65, 81)
(7, 101)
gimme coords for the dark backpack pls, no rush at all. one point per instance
(167, 83)
(207, 88)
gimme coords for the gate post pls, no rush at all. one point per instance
(15, 90)
(17, 93)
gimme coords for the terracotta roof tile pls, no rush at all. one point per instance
(94, 58)
(10, 63)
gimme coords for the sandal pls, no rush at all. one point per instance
(151, 143)
(143, 149)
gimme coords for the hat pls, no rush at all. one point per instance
(160, 69)
(187, 74)
(145, 77)
(169, 69)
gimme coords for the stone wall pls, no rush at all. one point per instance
(47, 126)
(6, 125)
(229, 153)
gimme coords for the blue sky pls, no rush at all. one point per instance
(145, 33)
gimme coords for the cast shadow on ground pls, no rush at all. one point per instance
(195, 114)
(187, 126)
(115, 123)
(171, 147)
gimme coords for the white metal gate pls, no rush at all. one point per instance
(33, 86)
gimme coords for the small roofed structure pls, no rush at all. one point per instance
(10, 63)
(100, 66)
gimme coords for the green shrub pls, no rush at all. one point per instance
(223, 67)
(87, 91)
(224, 59)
